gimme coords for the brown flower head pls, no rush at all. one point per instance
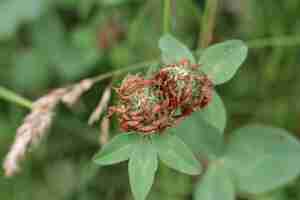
(151, 105)
(184, 86)
(139, 105)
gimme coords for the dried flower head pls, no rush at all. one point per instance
(151, 105)
(139, 105)
(184, 86)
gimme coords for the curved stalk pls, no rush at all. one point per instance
(14, 98)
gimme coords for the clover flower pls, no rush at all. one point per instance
(151, 105)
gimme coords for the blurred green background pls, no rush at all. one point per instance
(45, 44)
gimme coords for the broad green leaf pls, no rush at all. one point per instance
(118, 150)
(215, 113)
(201, 137)
(262, 158)
(180, 183)
(174, 51)
(143, 164)
(175, 154)
(216, 184)
(221, 61)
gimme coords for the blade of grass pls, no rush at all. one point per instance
(12, 97)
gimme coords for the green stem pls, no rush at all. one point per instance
(17, 99)
(258, 43)
(123, 70)
(208, 23)
(280, 41)
(14, 98)
(167, 16)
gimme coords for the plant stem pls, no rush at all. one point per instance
(275, 42)
(123, 70)
(208, 23)
(17, 99)
(14, 98)
(167, 16)
(258, 43)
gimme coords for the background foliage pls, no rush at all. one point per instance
(48, 43)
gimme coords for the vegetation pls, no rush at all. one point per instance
(47, 45)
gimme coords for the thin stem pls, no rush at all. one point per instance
(280, 41)
(258, 43)
(208, 23)
(123, 70)
(283, 41)
(17, 99)
(14, 98)
(167, 16)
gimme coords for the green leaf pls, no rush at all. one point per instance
(215, 113)
(142, 167)
(262, 158)
(174, 51)
(201, 137)
(118, 150)
(175, 154)
(215, 185)
(221, 61)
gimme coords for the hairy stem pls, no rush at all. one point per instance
(14, 98)
(167, 16)
(208, 23)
